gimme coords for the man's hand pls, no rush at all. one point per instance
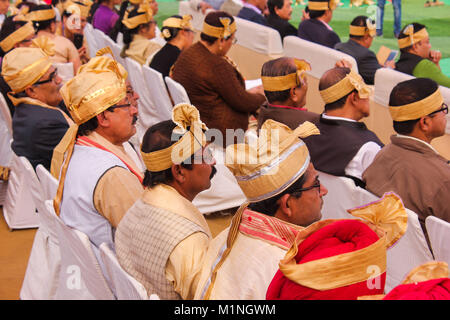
(389, 64)
(435, 56)
(258, 89)
(204, 6)
(343, 64)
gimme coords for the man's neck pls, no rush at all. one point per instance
(214, 48)
(100, 131)
(181, 190)
(178, 42)
(360, 43)
(343, 113)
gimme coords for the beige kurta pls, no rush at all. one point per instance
(252, 263)
(65, 50)
(106, 201)
(186, 260)
(141, 48)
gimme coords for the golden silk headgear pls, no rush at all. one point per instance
(77, 8)
(41, 15)
(94, 89)
(349, 83)
(412, 37)
(193, 138)
(22, 67)
(183, 23)
(386, 216)
(288, 81)
(264, 170)
(227, 29)
(45, 44)
(369, 29)
(322, 5)
(17, 36)
(145, 17)
(418, 109)
(102, 62)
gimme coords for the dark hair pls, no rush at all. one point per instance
(44, 24)
(314, 14)
(272, 4)
(359, 21)
(118, 26)
(213, 19)
(68, 13)
(129, 33)
(275, 68)
(417, 27)
(158, 137)
(8, 27)
(270, 206)
(30, 5)
(89, 126)
(331, 79)
(408, 92)
(173, 31)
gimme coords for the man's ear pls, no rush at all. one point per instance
(30, 92)
(284, 205)
(178, 173)
(425, 124)
(103, 120)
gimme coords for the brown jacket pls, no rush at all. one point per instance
(416, 173)
(290, 117)
(216, 88)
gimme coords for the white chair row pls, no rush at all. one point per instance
(410, 251)
(62, 263)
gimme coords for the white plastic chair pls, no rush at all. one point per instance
(42, 274)
(90, 38)
(99, 38)
(158, 91)
(19, 209)
(48, 183)
(410, 251)
(177, 91)
(80, 277)
(124, 285)
(439, 234)
(5, 143)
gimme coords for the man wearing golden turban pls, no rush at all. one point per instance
(99, 181)
(163, 238)
(410, 166)
(345, 146)
(38, 123)
(283, 195)
(43, 17)
(285, 87)
(416, 56)
(316, 28)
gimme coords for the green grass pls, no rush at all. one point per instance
(437, 20)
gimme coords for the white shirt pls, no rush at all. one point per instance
(363, 157)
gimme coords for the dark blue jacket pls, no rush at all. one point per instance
(252, 15)
(315, 31)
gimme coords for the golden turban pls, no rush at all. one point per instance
(322, 5)
(41, 15)
(370, 29)
(193, 138)
(145, 17)
(22, 67)
(77, 8)
(292, 80)
(227, 29)
(412, 37)
(17, 36)
(351, 82)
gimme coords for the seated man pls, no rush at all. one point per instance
(416, 56)
(280, 12)
(345, 147)
(99, 181)
(43, 17)
(410, 166)
(285, 195)
(285, 88)
(316, 28)
(13, 34)
(253, 11)
(341, 259)
(362, 32)
(163, 238)
(38, 124)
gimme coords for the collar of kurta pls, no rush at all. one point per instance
(268, 229)
(345, 123)
(166, 197)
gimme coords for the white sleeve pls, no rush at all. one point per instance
(362, 159)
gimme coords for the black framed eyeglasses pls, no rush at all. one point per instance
(112, 108)
(297, 192)
(444, 108)
(50, 78)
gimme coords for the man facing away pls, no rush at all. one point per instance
(345, 147)
(362, 33)
(163, 238)
(316, 28)
(285, 195)
(253, 11)
(285, 87)
(410, 166)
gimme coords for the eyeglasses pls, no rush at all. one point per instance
(206, 156)
(112, 108)
(234, 40)
(317, 184)
(50, 78)
(444, 108)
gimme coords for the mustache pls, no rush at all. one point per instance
(135, 119)
(213, 172)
